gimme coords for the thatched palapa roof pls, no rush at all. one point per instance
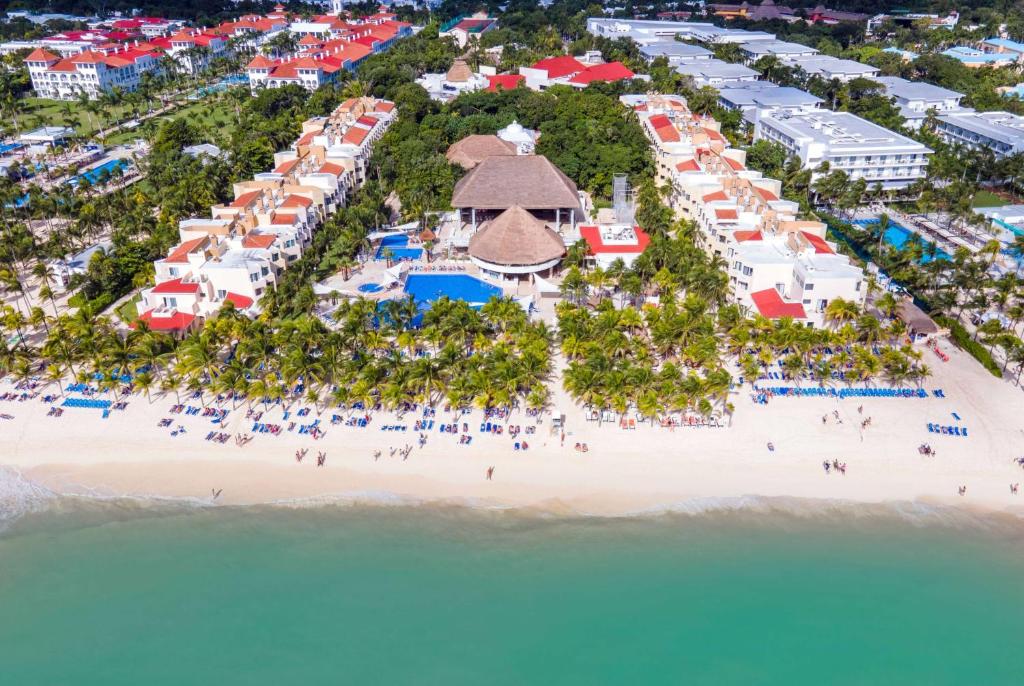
(474, 149)
(516, 238)
(530, 181)
(459, 72)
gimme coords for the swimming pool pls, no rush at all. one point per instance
(8, 147)
(93, 175)
(369, 288)
(398, 245)
(426, 288)
(897, 236)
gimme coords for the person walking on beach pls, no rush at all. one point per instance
(490, 473)
(1014, 488)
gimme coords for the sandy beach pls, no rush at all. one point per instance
(624, 471)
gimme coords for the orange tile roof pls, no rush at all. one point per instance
(296, 201)
(286, 166)
(355, 135)
(742, 236)
(258, 240)
(40, 55)
(332, 168)
(688, 165)
(725, 213)
(717, 195)
(766, 194)
(180, 253)
(245, 199)
(735, 164)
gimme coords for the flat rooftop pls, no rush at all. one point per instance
(818, 64)
(839, 130)
(782, 96)
(674, 49)
(776, 47)
(715, 69)
(1001, 126)
(915, 90)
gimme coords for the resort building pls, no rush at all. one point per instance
(755, 102)
(916, 98)
(475, 148)
(150, 27)
(768, 10)
(68, 43)
(755, 50)
(1004, 46)
(717, 73)
(463, 30)
(524, 139)
(91, 72)
(457, 80)
(326, 49)
(778, 264)
(515, 243)
(675, 52)
(1000, 132)
(240, 251)
(646, 31)
(860, 148)
(194, 49)
(829, 68)
(607, 243)
(578, 72)
(971, 57)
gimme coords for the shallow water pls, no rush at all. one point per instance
(753, 593)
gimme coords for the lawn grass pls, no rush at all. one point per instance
(988, 199)
(129, 311)
(41, 112)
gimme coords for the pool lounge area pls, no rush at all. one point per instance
(399, 248)
(92, 176)
(898, 235)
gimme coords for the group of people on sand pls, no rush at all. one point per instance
(581, 448)
(834, 466)
(926, 449)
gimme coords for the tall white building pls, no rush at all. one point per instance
(856, 146)
(91, 72)
(916, 98)
(1000, 132)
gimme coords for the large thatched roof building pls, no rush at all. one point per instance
(474, 149)
(516, 242)
(531, 182)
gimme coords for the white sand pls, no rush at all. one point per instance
(624, 471)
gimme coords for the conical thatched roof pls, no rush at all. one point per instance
(427, 235)
(516, 238)
(530, 181)
(459, 72)
(474, 149)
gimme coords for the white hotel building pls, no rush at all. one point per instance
(240, 251)
(1001, 132)
(778, 264)
(856, 146)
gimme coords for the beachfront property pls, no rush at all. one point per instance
(916, 98)
(756, 101)
(778, 264)
(578, 72)
(612, 242)
(755, 50)
(240, 250)
(464, 29)
(862, 149)
(717, 73)
(1000, 132)
(328, 46)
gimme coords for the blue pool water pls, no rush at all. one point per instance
(897, 236)
(8, 147)
(426, 288)
(93, 175)
(369, 288)
(398, 245)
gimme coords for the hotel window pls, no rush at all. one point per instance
(808, 286)
(221, 294)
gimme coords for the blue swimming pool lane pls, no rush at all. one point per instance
(398, 245)
(897, 236)
(93, 175)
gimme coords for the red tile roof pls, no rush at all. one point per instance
(725, 213)
(717, 195)
(733, 163)
(176, 286)
(285, 166)
(176, 322)
(771, 305)
(766, 194)
(563, 65)
(296, 201)
(355, 135)
(40, 55)
(743, 236)
(261, 62)
(688, 165)
(367, 121)
(713, 135)
(820, 246)
(506, 81)
(258, 240)
(331, 168)
(180, 253)
(239, 301)
(592, 235)
(610, 71)
(245, 199)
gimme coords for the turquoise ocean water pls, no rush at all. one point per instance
(120, 593)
